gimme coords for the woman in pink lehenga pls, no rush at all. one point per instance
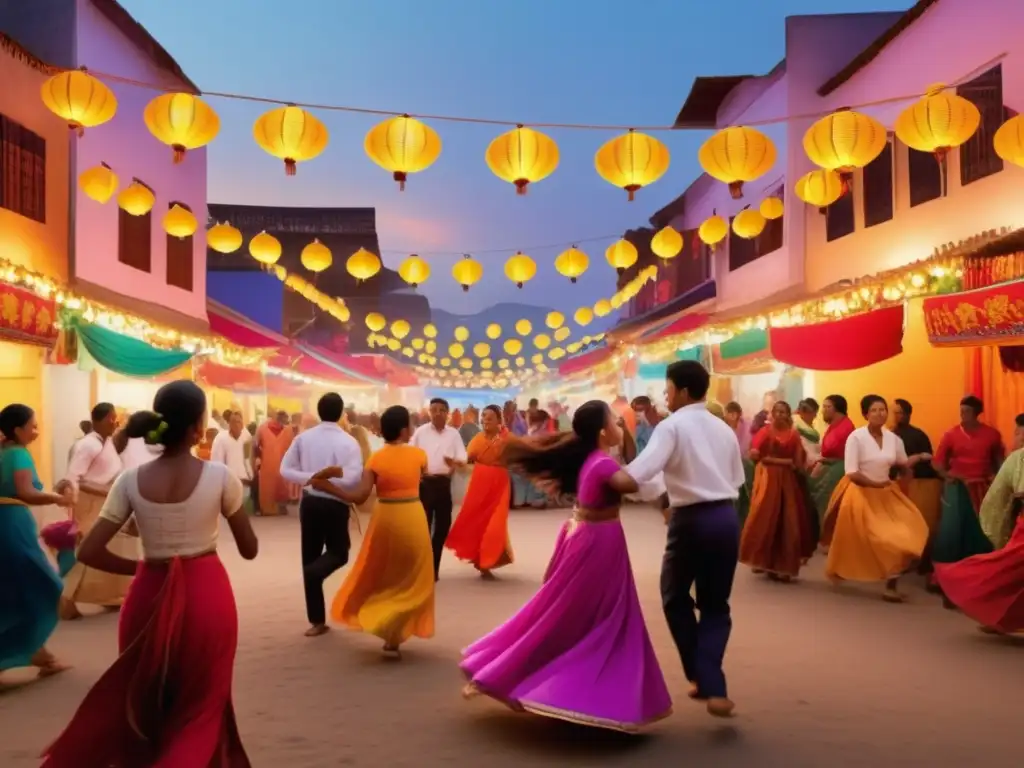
(579, 649)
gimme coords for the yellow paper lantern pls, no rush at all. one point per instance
(632, 161)
(602, 307)
(561, 334)
(291, 134)
(538, 358)
(583, 316)
(622, 255)
(394, 345)
(522, 156)
(820, 188)
(666, 243)
(180, 222)
(98, 183)
(735, 155)
(363, 264)
(1009, 141)
(465, 363)
(493, 331)
(461, 333)
(136, 199)
(556, 354)
(554, 320)
(456, 350)
(772, 208)
(79, 99)
(467, 271)
(266, 249)
(316, 257)
(430, 331)
(574, 347)
(938, 122)
(520, 269)
(748, 223)
(182, 121)
(408, 352)
(431, 346)
(223, 238)
(400, 329)
(617, 301)
(520, 362)
(572, 263)
(417, 344)
(524, 327)
(481, 349)
(375, 321)
(446, 362)
(486, 364)
(542, 341)
(512, 346)
(414, 270)
(402, 145)
(503, 363)
(713, 230)
(844, 141)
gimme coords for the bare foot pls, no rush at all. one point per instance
(488, 575)
(47, 663)
(720, 707)
(892, 596)
(392, 651)
(470, 691)
(68, 611)
(316, 630)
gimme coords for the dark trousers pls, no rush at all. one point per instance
(325, 543)
(702, 550)
(436, 497)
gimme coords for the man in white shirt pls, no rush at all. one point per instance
(703, 472)
(229, 448)
(445, 452)
(323, 518)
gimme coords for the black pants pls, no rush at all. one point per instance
(702, 550)
(436, 496)
(325, 544)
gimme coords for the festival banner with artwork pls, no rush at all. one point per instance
(26, 317)
(987, 316)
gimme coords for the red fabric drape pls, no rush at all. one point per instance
(841, 345)
(585, 361)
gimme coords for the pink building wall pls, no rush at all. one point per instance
(132, 152)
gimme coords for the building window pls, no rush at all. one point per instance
(926, 177)
(134, 239)
(180, 257)
(878, 188)
(22, 170)
(839, 218)
(742, 251)
(978, 157)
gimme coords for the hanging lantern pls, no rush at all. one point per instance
(819, 188)
(748, 223)
(493, 331)
(400, 329)
(408, 352)
(520, 269)
(524, 327)
(713, 230)
(520, 362)
(844, 141)
(430, 331)
(291, 134)
(414, 270)
(574, 347)
(1009, 141)
(736, 155)
(583, 316)
(938, 122)
(136, 199)
(430, 346)
(179, 222)
(467, 272)
(537, 358)
(316, 257)
(522, 156)
(666, 243)
(554, 320)
(617, 301)
(622, 255)
(79, 99)
(480, 349)
(402, 145)
(465, 363)
(561, 334)
(486, 365)
(461, 333)
(223, 238)
(456, 350)
(375, 321)
(602, 307)
(266, 249)
(512, 346)
(363, 265)
(542, 341)
(394, 345)
(98, 183)
(503, 363)
(772, 208)
(446, 362)
(182, 121)
(417, 344)
(572, 263)
(632, 161)
(557, 353)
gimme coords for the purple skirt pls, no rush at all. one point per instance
(579, 649)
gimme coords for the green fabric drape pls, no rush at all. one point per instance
(124, 354)
(746, 343)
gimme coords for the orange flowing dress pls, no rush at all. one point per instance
(777, 536)
(479, 534)
(273, 488)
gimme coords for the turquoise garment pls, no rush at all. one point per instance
(30, 588)
(124, 354)
(959, 535)
(643, 436)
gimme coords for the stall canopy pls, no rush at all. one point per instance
(586, 360)
(240, 330)
(841, 345)
(685, 324)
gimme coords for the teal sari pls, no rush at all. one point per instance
(960, 534)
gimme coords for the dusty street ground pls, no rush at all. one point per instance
(821, 677)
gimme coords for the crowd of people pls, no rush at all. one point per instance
(769, 493)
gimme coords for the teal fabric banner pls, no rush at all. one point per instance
(124, 354)
(746, 343)
(693, 353)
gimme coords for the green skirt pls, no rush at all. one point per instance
(959, 535)
(747, 489)
(821, 487)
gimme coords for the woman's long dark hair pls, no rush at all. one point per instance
(560, 457)
(174, 420)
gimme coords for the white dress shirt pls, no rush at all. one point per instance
(230, 451)
(864, 455)
(94, 461)
(698, 454)
(322, 446)
(439, 445)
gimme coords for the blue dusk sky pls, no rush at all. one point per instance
(566, 61)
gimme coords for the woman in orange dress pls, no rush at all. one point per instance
(777, 537)
(272, 440)
(480, 532)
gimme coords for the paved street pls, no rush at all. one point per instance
(821, 677)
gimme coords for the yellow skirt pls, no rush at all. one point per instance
(390, 590)
(876, 533)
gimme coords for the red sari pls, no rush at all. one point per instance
(777, 536)
(480, 532)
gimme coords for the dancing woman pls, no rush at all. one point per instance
(480, 532)
(390, 590)
(166, 700)
(874, 531)
(579, 649)
(829, 471)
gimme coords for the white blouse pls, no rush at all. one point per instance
(864, 455)
(185, 528)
